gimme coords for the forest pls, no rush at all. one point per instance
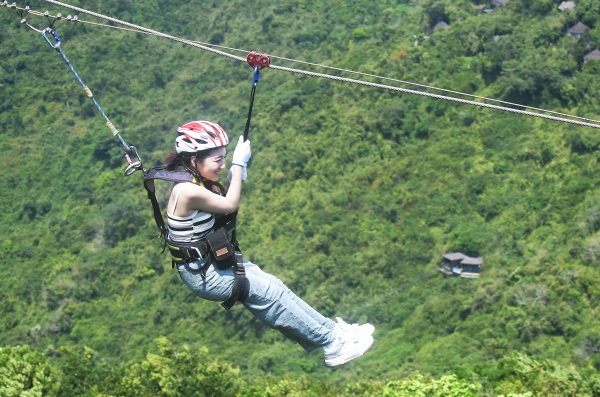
(353, 195)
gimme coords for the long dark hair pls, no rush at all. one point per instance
(173, 160)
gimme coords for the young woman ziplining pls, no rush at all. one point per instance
(193, 209)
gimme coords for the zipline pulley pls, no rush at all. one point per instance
(257, 62)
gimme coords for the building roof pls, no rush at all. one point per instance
(592, 55)
(455, 256)
(567, 5)
(577, 29)
(472, 261)
(499, 2)
(441, 25)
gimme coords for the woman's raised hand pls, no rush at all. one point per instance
(241, 155)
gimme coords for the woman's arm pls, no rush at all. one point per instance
(199, 198)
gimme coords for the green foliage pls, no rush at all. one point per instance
(85, 374)
(353, 193)
(183, 373)
(25, 373)
(543, 377)
(420, 386)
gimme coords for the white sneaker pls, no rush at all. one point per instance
(351, 328)
(346, 347)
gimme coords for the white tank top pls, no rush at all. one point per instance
(189, 228)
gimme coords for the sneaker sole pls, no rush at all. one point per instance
(344, 359)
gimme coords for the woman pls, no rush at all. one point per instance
(200, 150)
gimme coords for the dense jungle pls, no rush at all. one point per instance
(353, 195)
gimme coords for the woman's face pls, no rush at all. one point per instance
(211, 167)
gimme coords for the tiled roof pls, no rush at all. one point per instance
(577, 29)
(472, 261)
(592, 55)
(455, 256)
(567, 5)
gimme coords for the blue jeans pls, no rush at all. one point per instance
(269, 300)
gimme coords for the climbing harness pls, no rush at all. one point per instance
(132, 166)
(216, 248)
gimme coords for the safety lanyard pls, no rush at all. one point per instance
(132, 166)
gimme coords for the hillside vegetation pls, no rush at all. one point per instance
(353, 195)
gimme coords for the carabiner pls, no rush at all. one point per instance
(48, 30)
(133, 167)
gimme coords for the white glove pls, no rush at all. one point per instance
(230, 175)
(241, 154)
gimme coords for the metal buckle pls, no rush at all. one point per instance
(198, 251)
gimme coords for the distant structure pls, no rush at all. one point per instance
(441, 25)
(460, 265)
(592, 56)
(496, 38)
(577, 30)
(499, 3)
(566, 5)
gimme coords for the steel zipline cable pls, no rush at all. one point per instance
(533, 112)
(337, 69)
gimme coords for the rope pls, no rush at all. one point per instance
(339, 70)
(149, 31)
(434, 88)
(437, 96)
(88, 92)
(132, 166)
(594, 124)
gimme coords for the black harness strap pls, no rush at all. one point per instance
(241, 285)
(169, 176)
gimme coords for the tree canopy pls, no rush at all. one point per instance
(353, 194)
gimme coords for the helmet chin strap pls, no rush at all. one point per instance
(194, 171)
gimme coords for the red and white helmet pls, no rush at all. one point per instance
(196, 136)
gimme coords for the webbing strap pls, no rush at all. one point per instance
(241, 285)
(170, 176)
